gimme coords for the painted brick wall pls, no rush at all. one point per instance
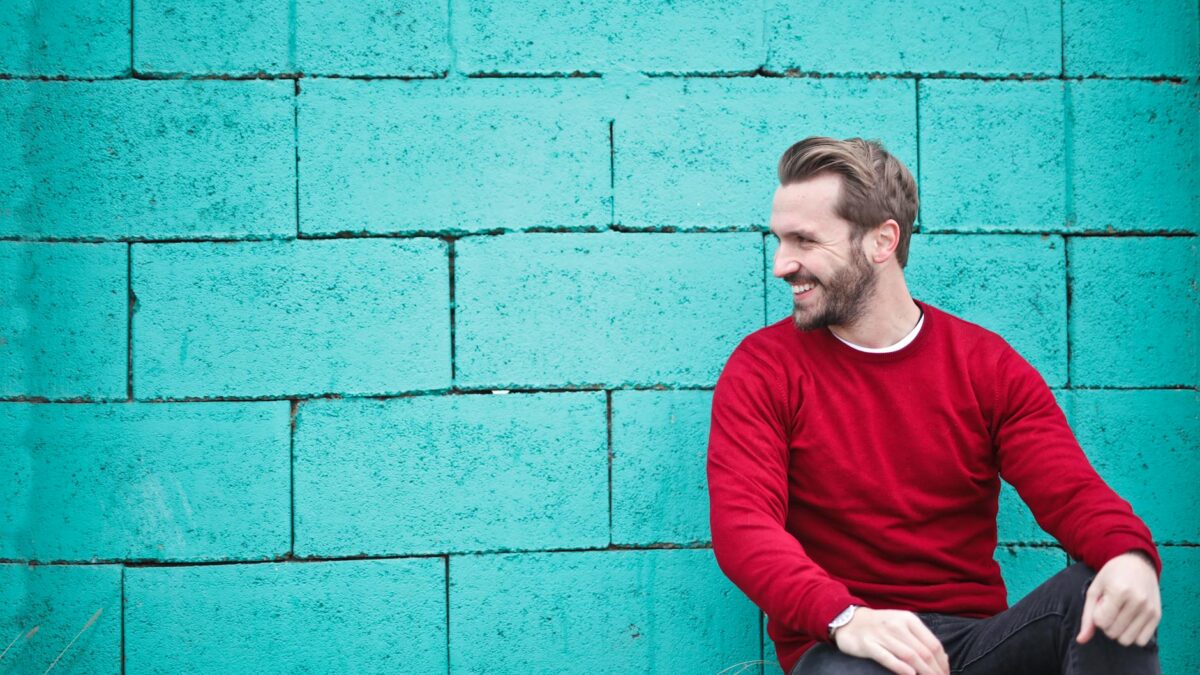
(381, 336)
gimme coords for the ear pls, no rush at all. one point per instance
(883, 241)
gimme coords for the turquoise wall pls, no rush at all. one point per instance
(381, 336)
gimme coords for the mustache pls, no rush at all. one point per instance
(800, 280)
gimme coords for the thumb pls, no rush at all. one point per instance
(1087, 626)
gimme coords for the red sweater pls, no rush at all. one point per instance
(838, 476)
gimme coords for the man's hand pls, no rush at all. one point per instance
(1123, 601)
(895, 639)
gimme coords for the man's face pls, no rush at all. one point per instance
(818, 253)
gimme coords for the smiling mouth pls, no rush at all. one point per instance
(803, 290)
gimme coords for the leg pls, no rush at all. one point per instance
(1037, 635)
(825, 659)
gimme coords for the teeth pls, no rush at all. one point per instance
(802, 288)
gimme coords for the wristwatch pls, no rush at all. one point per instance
(841, 619)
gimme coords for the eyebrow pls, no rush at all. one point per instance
(799, 230)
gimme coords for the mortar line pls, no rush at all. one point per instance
(296, 150)
(765, 279)
(608, 423)
(691, 546)
(122, 620)
(131, 61)
(917, 114)
(612, 175)
(453, 335)
(1062, 38)
(293, 409)
(1070, 284)
(130, 301)
(446, 583)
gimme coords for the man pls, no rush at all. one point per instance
(855, 457)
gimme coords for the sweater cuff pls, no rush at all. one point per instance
(1117, 544)
(827, 610)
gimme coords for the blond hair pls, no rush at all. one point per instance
(875, 185)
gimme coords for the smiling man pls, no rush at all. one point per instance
(855, 456)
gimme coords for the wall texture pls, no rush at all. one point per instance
(380, 336)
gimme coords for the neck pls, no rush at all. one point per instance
(890, 314)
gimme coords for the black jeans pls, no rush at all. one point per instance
(1034, 636)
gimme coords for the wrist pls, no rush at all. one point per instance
(842, 619)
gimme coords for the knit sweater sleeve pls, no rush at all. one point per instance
(1039, 456)
(747, 471)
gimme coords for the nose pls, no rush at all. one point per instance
(783, 267)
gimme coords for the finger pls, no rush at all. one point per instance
(921, 632)
(1131, 632)
(886, 659)
(1108, 610)
(1087, 625)
(1129, 614)
(906, 648)
(1147, 633)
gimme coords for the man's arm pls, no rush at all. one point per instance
(748, 495)
(748, 500)
(1039, 455)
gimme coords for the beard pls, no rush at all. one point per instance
(845, 296)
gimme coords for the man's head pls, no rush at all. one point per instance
(843, 215)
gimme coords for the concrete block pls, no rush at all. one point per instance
(629, 611)
(544, 36)
(703, 153)
(992, 155)
(376, 37)
(1025, 568)
(1135, 311)
(1124, 38)
(74, 39)
(898, 36)
(1011, 284)
(620, 309)
(353, 616)
(432, 474)
(659, 446)
(485, 154)
(1144, 445)
(71, 613)
(298, 318)
(119, 159)
(1179, 632)
(170, 481)
(63, 320)
(1135, 155)
(224, 37)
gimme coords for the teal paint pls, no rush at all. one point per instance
(1025, 568)
(63, 320)
(702, 153)
(1012, 169)
(1135, 311)
(361, 616)
(297, 318)
(377, 37)
(1177, 637)
(131, 159)
(210, 36)
(992, 155)
(437, 474)
(619, 309)
(67, 612)
(1144, 444)
(1136, 156)
(632, 611)
(137, 481)
(448, 157)
(659, 488)
(926, 36)
(77, 39)
(610, 35)
(1122, 38)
